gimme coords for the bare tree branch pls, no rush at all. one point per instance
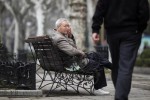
(9, 8)
(29, 6)
(2, 7)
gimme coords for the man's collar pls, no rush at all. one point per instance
(61, 34)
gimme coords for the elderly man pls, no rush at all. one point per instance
(64, 40)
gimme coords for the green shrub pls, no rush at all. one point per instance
(145, 54)
(138, 62)
(143, 62)
(143, 59)
(146, 62)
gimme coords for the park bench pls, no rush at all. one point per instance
(50, 60)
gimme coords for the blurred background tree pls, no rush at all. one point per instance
(23, 18)
(20, 19)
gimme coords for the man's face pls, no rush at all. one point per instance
(64, 28)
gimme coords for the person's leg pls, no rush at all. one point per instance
(114, 45)
(99, 75)
(98, 57)
(99, 83)
(99, 79)
(123, 48)
(128, 53)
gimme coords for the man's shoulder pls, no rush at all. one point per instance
(56, 36)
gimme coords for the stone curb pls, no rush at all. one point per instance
(24, 93)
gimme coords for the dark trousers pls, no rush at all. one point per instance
(123, 47)
(95, 66)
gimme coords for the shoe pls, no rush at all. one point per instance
(101, 92)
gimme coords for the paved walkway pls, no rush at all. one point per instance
(140, 91)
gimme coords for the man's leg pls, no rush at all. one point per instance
(128, 47)
(114, 45)
(98, 57)
(99, 79)
(99, 75)
(128, 53)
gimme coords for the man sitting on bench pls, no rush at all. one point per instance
(92, 62)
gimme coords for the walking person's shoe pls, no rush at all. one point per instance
(101, 92)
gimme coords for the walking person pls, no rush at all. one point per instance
(124, 22)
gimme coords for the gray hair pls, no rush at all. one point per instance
(59, 21)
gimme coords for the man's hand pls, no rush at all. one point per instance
(69, 33)
(96, 38)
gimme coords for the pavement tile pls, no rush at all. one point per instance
(4, 98)
(20, 99)
(139, 91)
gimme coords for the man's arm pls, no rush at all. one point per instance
(98, 20)
(98, 16)
(64, 45)
(143, 15)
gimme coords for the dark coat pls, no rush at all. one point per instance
(121, 15)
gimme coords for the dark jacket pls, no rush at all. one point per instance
(121, 15)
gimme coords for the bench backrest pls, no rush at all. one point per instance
(47, 54)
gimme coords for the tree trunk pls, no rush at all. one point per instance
(40, 21)
(78, 13)
(16, 39)
(9, 37)
(90, 8)
(39, 17)
(21, 33)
